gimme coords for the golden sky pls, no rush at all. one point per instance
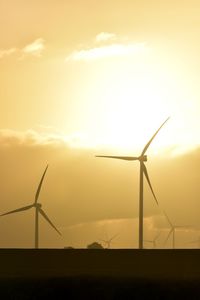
(79, 78)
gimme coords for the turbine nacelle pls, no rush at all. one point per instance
(38, 205)
(142, 158)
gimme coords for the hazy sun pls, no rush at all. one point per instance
(122, 103)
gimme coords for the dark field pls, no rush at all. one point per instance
(99, 274)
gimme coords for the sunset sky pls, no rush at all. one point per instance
(81, 78)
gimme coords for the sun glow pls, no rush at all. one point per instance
(124, 99)
(128, 111)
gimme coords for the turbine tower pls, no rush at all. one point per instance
(154, 241)
(143, 172)
(172, 230)
(38, 210)
(108, 242)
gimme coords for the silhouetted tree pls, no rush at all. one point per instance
(95, 245)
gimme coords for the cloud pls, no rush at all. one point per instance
(113, 46)
(49, 136)
(104, 37)
(35, 48)
(114, 50)
(7, 52)
(29, 138)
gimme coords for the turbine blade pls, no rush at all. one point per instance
(168, 219)
(148, 241)
(112, 238)
(149, 142)
(48, 220)
(170, 232)
(148, 180)
(118, 157)
(40, 185)
(17, 210)
(186, 226)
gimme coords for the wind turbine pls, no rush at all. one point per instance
(172, 230)
(143, 171)
(108, 242)
(154, 241)
(38, 210)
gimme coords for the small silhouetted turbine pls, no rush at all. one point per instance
(173, 230)
(143, 172)
(38, 210)
(109, 241)
(154, 241)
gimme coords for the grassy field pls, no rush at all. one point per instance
(99, 274)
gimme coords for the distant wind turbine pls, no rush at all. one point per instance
(38, 209)
(154, 241)
(143, 171)
(172, 230)
(109, 241)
